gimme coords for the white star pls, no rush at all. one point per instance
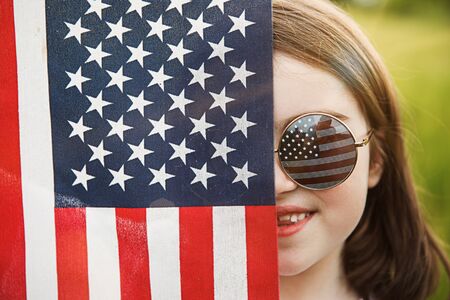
(117, 30)
(138, 54)
(180, 102)
(159, 77)
(222, 150)
(199, 76)
(160, 176)
(139, 152)
(139, 103)
(200, 125)
(82, 177)
(137, 5)
(160, 127)
(219, 50)
(117, 78)
(178, 52)
(99, 153)
(119, 177)
(240, 23)
(243, 174)
(96, 6)
(202, 175)
(178, 4)
(118, 128)
(76, 79)
(242, 124)
(78, 129)
(180, 151)
(97, 104)
(221, 100)
(75, 30)
(218, 3)
(241, 73)
(97, 54)
(198, 25)
(157, 28)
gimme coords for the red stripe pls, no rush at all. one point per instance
(262, 255)
(133, 253)
(12, 245)
(196, 254)
(324, 123)
(71, 253)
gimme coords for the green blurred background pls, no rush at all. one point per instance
(413, 37)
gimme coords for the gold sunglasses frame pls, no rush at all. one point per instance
(357, 145)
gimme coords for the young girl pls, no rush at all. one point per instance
(349, 220)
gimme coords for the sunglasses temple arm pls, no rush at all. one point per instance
(365, 141)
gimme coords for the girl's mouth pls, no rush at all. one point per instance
(292, 219)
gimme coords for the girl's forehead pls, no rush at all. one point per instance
(300, 88)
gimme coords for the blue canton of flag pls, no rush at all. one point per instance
(161, 103)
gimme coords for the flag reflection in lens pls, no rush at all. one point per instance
(317, 151)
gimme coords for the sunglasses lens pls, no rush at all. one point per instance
(317, 151)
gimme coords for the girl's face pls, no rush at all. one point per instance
(298, 89)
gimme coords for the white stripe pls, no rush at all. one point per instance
(103, 254)
(164, 252)
(230, 254)
(336, 144)
(36, 150)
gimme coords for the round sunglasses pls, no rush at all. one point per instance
(318, 151)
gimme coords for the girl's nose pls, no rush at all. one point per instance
(283, 183)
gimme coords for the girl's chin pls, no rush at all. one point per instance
(290, 268)
(287, 273)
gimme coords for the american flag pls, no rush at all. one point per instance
(137, 151)
(317, 151)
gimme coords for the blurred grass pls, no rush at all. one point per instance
(416, 49)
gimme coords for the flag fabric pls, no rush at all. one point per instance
(137, 150)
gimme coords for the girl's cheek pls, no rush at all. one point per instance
(344, 206)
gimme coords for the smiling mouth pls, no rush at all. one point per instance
(291, 219)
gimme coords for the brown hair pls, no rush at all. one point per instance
(392, 253)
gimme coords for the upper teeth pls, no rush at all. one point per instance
(293, 217)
